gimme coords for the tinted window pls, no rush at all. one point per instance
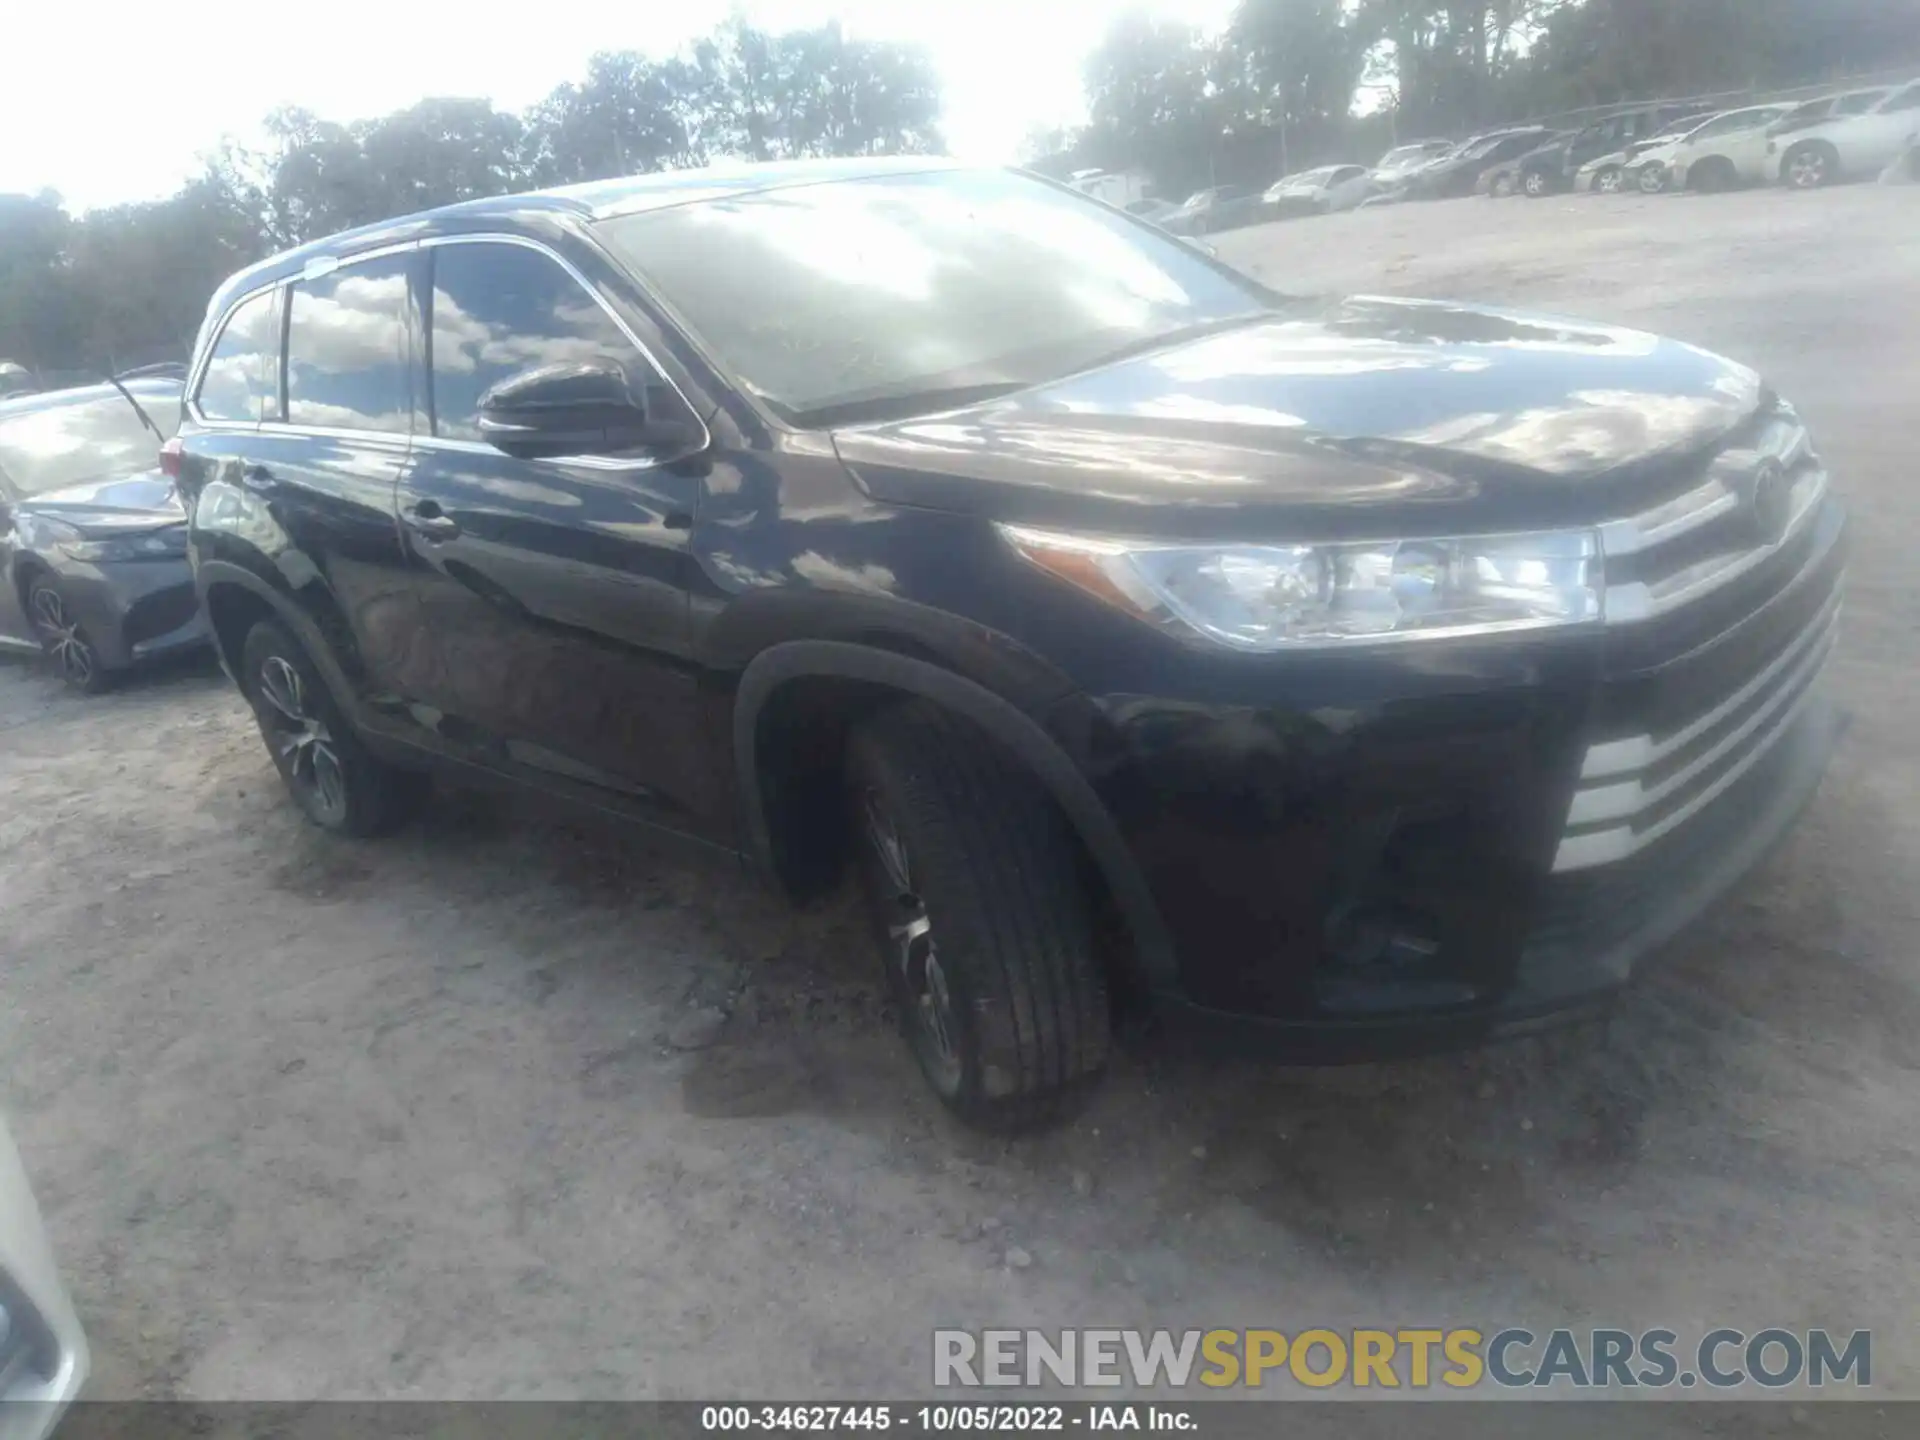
(100, 437)
(347, 349)
(867, 297)
(240, 373)
(501, 309)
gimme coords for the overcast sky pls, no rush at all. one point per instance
(111, 104)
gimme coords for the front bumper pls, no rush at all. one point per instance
(1590, 933)
(136, 610)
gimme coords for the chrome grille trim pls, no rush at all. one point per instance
(1640, 601)
(1758, 734)
(1784, 439)
(1641, 752)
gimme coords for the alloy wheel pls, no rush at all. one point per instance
(62, 637)
(1536, 183)
(911, 952)
(1807, 169)
(301, 740)
(1653, 179)
(1609, 182)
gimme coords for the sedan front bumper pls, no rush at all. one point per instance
(135, 610)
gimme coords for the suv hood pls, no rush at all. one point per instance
(124, 503)
(1351, 418)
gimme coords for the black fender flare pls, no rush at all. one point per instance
(1008, 725)
(212, 574)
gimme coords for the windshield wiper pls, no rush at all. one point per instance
(145, 419)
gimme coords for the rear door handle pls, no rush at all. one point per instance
(429, 521)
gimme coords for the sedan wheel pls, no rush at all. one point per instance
(1536, 183)
(1653, 179)
(1607, 182)
(1809, 168)
(65, 642)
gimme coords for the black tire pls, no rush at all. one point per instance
(64, 638)
(975, 890)
(337, 783)
(1811, 165)
(1713, 176)
(1610, 181)
(1537, 184)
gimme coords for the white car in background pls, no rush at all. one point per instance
(43, 1354)
(1323, 191)
(1858, 145)
(1728, 150)
(1400, 163)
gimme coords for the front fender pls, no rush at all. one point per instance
(1043, 756)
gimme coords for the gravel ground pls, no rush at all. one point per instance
(508, 1107)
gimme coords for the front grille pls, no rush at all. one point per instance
(1723, 605)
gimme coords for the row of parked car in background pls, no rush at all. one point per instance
(1848, 134)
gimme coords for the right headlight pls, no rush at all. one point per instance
(1285, 597)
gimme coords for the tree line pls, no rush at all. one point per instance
(1277, 89)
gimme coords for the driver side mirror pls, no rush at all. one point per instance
(572, 408)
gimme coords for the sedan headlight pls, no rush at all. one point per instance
(1284, 597)
(152, 545)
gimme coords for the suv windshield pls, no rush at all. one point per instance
(50, 446)
(867, 299)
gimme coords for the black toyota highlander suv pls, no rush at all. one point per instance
(1360, 675)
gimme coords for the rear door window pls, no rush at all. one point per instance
(347, 353)
(241, 381)
(499, 309)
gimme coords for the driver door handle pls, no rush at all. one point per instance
(427, 520)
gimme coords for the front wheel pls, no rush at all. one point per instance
(1608, 181)
(1537, 185)
(1810, 166)
(1653, 179)
(332, 777)
(65, 640)
(974, 887)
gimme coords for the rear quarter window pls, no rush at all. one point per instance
(241, 375)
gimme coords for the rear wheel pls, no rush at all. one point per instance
(1811, 165)
(973, 883)
(1537, 184)
(64, 639)
(1653, 179)
(333, 778)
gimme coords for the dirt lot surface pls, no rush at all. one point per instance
(508, 1107)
